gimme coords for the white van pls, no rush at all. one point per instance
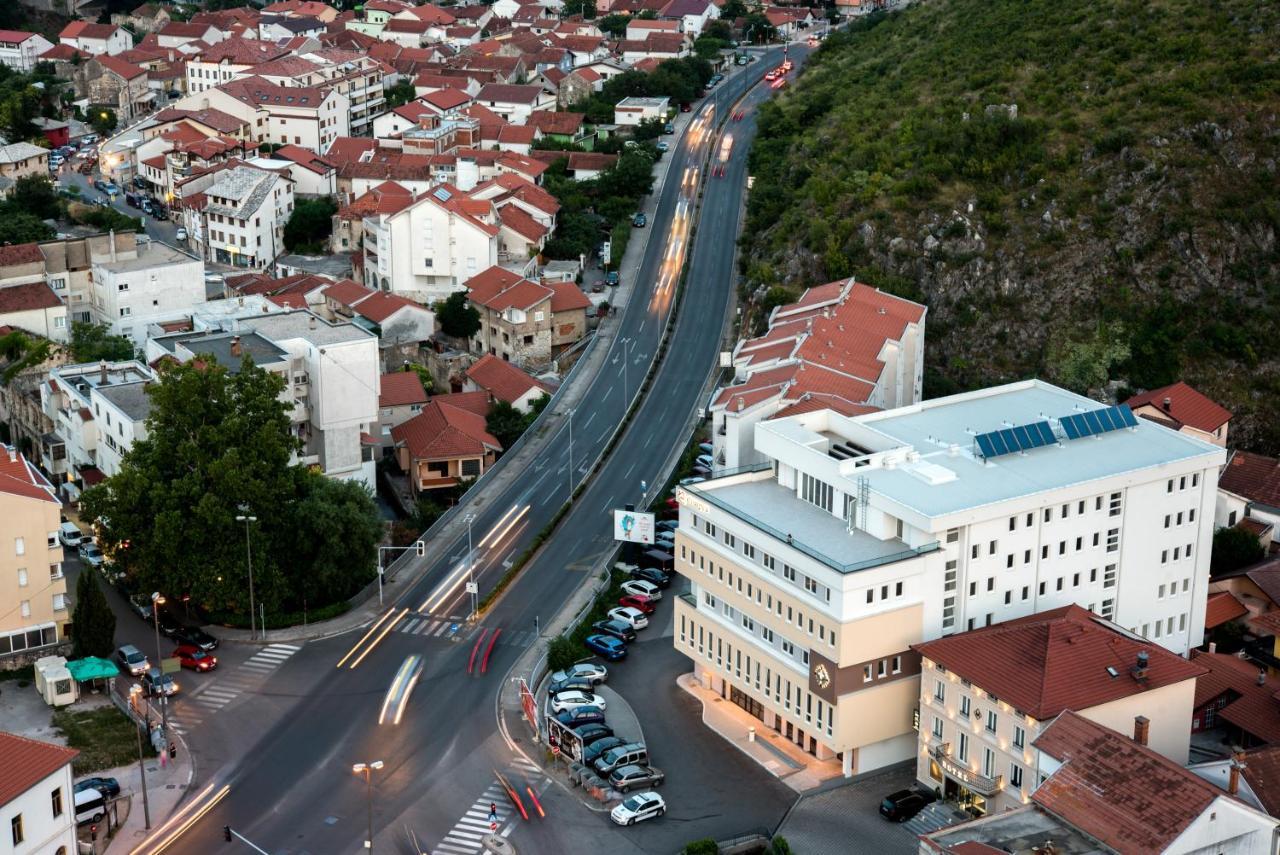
(70, 534)
(90, 806)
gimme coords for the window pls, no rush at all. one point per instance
(1008, 561)
(866, 675)
(991, 721)
(988, 762)
(937, 727)
(19, 546)
(1113, 539)
(816, 492)
(964, 748)
(55, 800)
(974, 552)
(1114, 510)
(1026, 557)
(1048, 514)
(991, 584)
(1042, 589)
(1013, 523)
(953, 535)
(1195, 479)
(991, 548)
(1019, 737)
(897, 589)
(871, 594)
(964, 706)
(939, 689)
(1167, 519)
(882, 668)
(897, 662)
(1109, 576)
(1030, 518)
(1026, 592)
(1008, 595)
(1080, 507)
(15, 827)
(125, 312)
(1015, 776)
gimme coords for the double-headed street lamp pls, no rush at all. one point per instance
(158, 600)
(367, 769)
(248, 548)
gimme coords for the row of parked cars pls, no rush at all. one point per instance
(624, 764)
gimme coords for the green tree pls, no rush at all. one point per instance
(614, 25)
(23, 228)
(707, 47)
(103, 119)
(505, 422)
(310, 225)
(94, 342)
(561, 653)
(400, 94)
(630, 178)
(20, 351)
(1085, 366)
(1234, 548)
(719, 29)
(585, 8)
(457, 316)
(93, 627)
(732, 10)
(32, 194)
(760, 28)
(337, 530)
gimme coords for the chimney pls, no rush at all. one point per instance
(1237, 766)
(235, 345)
(1262, 676)
(1168, 404)
(1213, 647)
(102, 372)
(1140, 669)
(1141, 729)
(311, 322)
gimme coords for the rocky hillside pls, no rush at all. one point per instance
(1084, 190)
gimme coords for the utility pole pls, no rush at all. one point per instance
(142, 767)
(248, 548)
(471, 565)
(570, 454)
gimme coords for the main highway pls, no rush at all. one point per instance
(291, 789)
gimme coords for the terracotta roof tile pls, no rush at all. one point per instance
(347, 292)
(1255, 709)
(21, 253)
(502, 379)
(522, 224)
(566, 297)
(1221, 608)
(443, 431)
(27, 762)
(1262, 771)
(27, 297)
(1186, 406)
(400, 388)
(380, 305)
(18, 477)
(1252, 476)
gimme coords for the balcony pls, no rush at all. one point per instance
(690, 600)
(980, 784)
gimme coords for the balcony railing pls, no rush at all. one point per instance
(980, 784)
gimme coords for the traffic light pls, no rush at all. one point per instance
(421, 547)
(226, 833)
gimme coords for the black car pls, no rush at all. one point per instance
(599, 747)
(169, 625)
(652, 574)
(616, 628)
(570, 684)
(109, 787)
(592, 733)
(196, 637)
(904, 804)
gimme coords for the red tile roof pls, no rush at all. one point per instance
(566, 296)
(1266, 624)
(490, 281)
(21, 253)
(1262, 771)
(1056, 660)
(472, 402)
(386, 198)
(509, 93)
(304, 157)
(1121, 793)
(27, 297)
(380, 305)
(1256, 527)
(347, 292)
(443, 431)
(400, 388)
(18, 477)
(26, 763)
(556, 122)
(86, 30)
(498, 290)
(119, 67)
(447, 99)
(1252, 476)
(1266, 575)
(592, 161)
(64, 51)
(1186, 406)
(503, 380)
(1256, 707)
(1221, 608)
(522, 224)
(14, 37)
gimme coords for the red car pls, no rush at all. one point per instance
(190, 656)
(636, 601)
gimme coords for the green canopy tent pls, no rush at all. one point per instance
(92, 668)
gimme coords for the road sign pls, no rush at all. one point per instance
(493, 826)
(473, 588)
(170, 665)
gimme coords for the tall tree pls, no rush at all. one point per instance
(337, 523)
(310, 224)
(457, 316)
(93, 627)
(17, 227)
(93, 342)
(505, 422)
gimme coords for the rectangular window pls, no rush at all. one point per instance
(897, 589)
(988, 762)
(1026, 557)
(1042, 589)
(1008, 561)
(1026, 592)
(974, 552)
(937, 727)
(1008, 597)
(15, 828)
(1019, 737)
(1113, 539)
(816, 492)
(991, 548)
(964, 748)
(1015, 776)
(55, 801)
(1013, 523)
(953, 535)
(939, 688)
(991, 721)
(882, 668)
(1114, 509)
(1108, 608)
(964, 706)
(897, 664)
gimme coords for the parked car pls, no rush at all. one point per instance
(632, 617)
(154, 682)
(611, 278)
(581, 715)
(627, 778)
(705, 460)
(585, 671)
(168, 624)
(568, 684)
(196, 637)
(652, 575)
(181, 234)
(159, 211)
(667, 525)
(639, 221)
(572, 699)
(616, 628)
(133, 200)
(70, 535)
(642, 588)
(141, 605)
(590, 734)
(192, 657)
(632, 601)
(607, 646)
(90, 554)
(668, 128)
(639, 807)
(662, 146)
(628, 754)
(109, 787)
(904, 804)
(133, 660)
(597, 748)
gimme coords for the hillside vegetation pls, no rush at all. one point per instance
(1118, 229)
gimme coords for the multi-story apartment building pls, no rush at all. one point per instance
(239, 218)
(73, 398)
(37, 807)
(95, 38)
(227, 61)
(356, 76)
(20, 51)
(298, 115)
(986, 695)
(132, 288)
(859, 536)
(121, 414)
(33, 592)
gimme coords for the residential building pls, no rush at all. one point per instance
(402, 397)
(21, 51)
(426, 250)
(842, 345)
(355, 76)
(109, 80)
(513, 102)
(229, 60)
(33, 592)
(239, 217)
(515, 317)
(143, 19)
(1239, 697)
(1256, 587)
(691, 15)
(502, 381)
(1182, 408)
(1251, 776)
(72, 400)
(96, 39)
(568, 315)
(37, 805)
(312, 174)
(120, 412)
(1249, 494)
(20, 159)
(634, 109)
(860, 536)
(132, 289)
(986, 694)
(299, 115)
(31, 306)
(446, 443)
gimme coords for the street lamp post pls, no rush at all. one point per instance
(248, 548)
(471, 566)
(571, 454)
(367, 769)
(134, 691)
(626, 342)
(157, 600)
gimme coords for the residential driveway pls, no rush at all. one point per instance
(828, 822)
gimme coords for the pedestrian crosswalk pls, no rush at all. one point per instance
(457, 628)
(227, 685)
(493, 807)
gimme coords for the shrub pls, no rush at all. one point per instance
(561, 653)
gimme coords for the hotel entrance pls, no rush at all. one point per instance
(962, 797)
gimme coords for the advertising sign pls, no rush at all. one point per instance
(633, 526)
(530, 706)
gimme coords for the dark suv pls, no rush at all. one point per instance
(904, 804)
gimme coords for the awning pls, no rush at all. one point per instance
(92, 668)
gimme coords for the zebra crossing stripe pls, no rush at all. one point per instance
(410, 625)
(443, 626)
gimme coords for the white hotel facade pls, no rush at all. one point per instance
(812, 576)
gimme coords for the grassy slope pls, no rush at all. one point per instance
(1136, 191)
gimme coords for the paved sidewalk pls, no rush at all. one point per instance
(782, 758)
(167, 785)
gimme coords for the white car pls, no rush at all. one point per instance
(597, 674)
(641, 588)
(625, 567)
(573, 699)
(70, 535)
(638, 807)
(705, 460)
(90, 554)
(180, 234)
(633, 618)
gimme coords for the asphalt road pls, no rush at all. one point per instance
(161, 230)
(293, 791)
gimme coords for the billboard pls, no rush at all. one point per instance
(633, 526)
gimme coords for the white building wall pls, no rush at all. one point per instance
(1227, 827)
(51, 323)
(128, 300)
(42, 832)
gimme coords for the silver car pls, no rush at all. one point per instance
(133, 660)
